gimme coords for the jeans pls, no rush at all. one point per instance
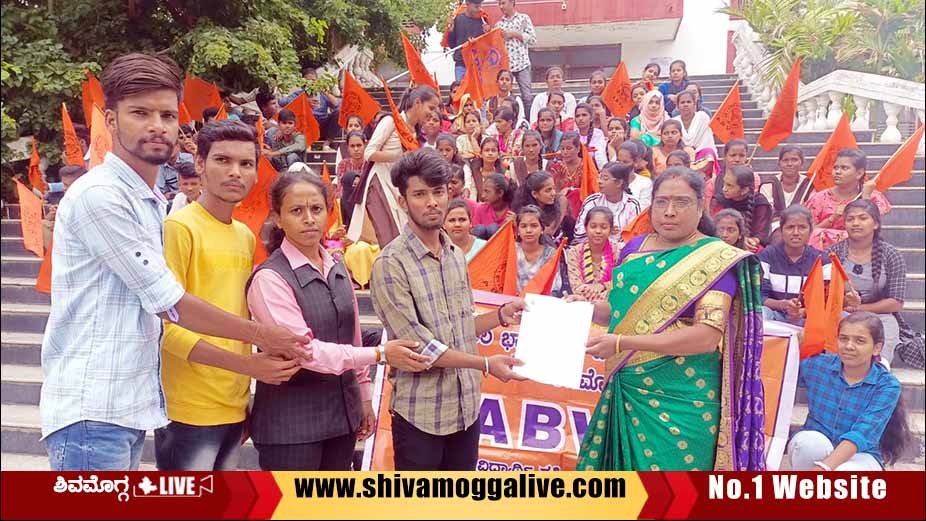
(180, 446)
(417, 450)
(774, 314)
(523, 77)
(807, 447)
(328, 126)
(92, 445)
(459, 71)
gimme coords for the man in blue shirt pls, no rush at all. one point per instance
(326, 107)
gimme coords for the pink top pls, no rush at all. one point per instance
(824, 204)
(272, 301)
(485, 215)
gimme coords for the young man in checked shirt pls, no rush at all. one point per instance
(421, 291)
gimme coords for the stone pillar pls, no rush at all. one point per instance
(835, 112)
(820, 123)
(862, 117)
(891, 133)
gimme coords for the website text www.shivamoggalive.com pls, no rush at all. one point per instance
(528, 486)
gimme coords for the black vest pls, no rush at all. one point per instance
(311, 406)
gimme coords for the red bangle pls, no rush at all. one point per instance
(501, 319)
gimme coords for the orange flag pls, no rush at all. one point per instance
(326, 174)
(406, 135)
(468, 85)
(589, 182)
(780, 123)
(356, 101)
(43, 280)
(835, 301)
(417, 72)
(305, 118)
(222, 114)
(640, 225)
(444, 42)
(254, 209)
(35, 173)
(185, 117)
(814, 292)
(259, 126)
(821, 170)
(495, 267)
(485, 56)
(899, 168)
(30, 218)
(542, 282)
(91, 93)
(101, 141)
(199, 95)
(727, 122)
(617, 93)
(72, 152)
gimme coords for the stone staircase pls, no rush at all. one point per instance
(25, 311)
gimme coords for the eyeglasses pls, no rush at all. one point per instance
(681, 204)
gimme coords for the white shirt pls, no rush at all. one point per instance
(540, 101)
(642, 190)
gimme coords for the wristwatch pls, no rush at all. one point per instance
(381, 354)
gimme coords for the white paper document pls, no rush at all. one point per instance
(551, 340)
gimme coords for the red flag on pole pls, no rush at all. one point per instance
(821, 170)
(185, 117)
(43, 280)
(406, 135)
(727, 122)
(486, 56)
(495, 267)
(30, 218)
(199, 95)
(73, 154)
(101, 141)
(35, 172)
(899, 168)
(780, 123)
(542, 282)
(356, 101)
(617, 94)
(305, 118)
(814, 293)
(91, 93)
(418, 73)
(468, 85)
(254, 209)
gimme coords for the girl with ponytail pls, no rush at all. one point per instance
(878, 276)
(857, 420)
(739, 193)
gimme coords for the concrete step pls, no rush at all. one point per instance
(904, 235)
(14, 245)
(21, 290)
(916, 286)
(20, 265)
(32, 318)
(22, 431)
(912, 214)
(875, 162)
(21, 348)
(811, 148)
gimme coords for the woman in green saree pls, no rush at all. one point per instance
(683, 347)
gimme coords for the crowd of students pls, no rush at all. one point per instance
(489, 165)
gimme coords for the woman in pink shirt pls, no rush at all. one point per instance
(497, 195)
(313, 421)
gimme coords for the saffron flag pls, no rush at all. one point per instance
(640, 225)
(780, 123)
(222, 114)
(326, 175)
(542, 282)
(199, 95)
(821, 170)
(254, 209)
(589, 182)
(835, 302)
(406, 135)
(356, 101)
(73, 154)
(259, 126)
(495, 267)
(814, 293)
(185, 118)
(30, 218)
(43, 280)
(445, 42)
(485, 56)
(101, 141)
(35, 172)
(305, 118)
(468, 85)
(899, 168)
(334, 222)
(618, 92)
(727, 122)
(91, 93)
(417, 72)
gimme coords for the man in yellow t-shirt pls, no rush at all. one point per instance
(206, 379)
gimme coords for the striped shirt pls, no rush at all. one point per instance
(419, 296)
(101, 353)
(624, 211)
(782, 278)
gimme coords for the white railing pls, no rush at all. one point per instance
(820, 102)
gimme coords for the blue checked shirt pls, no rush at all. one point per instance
(101, 354)
(859, 412)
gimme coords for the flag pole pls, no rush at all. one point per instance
(753, 155)
(435, 60)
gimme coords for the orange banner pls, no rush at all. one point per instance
(91, 93)
(356, 101)
(727, 122)
(35, 171)
(486, 56)
(780, 122)
(821, 170)
(417, 72)
(30, 218)
(899, 168)
(255, 208)
(43, 280)
(305, 118)
(101, 141)
(199, 95)
(528, 426)
(406, 135)
(617, 94)
(73, 154)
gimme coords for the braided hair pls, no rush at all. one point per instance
(525, 197)
(877, 245)
(896, 437)
(859, 162)
(745, 179)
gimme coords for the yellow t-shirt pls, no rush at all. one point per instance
(213, 261)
